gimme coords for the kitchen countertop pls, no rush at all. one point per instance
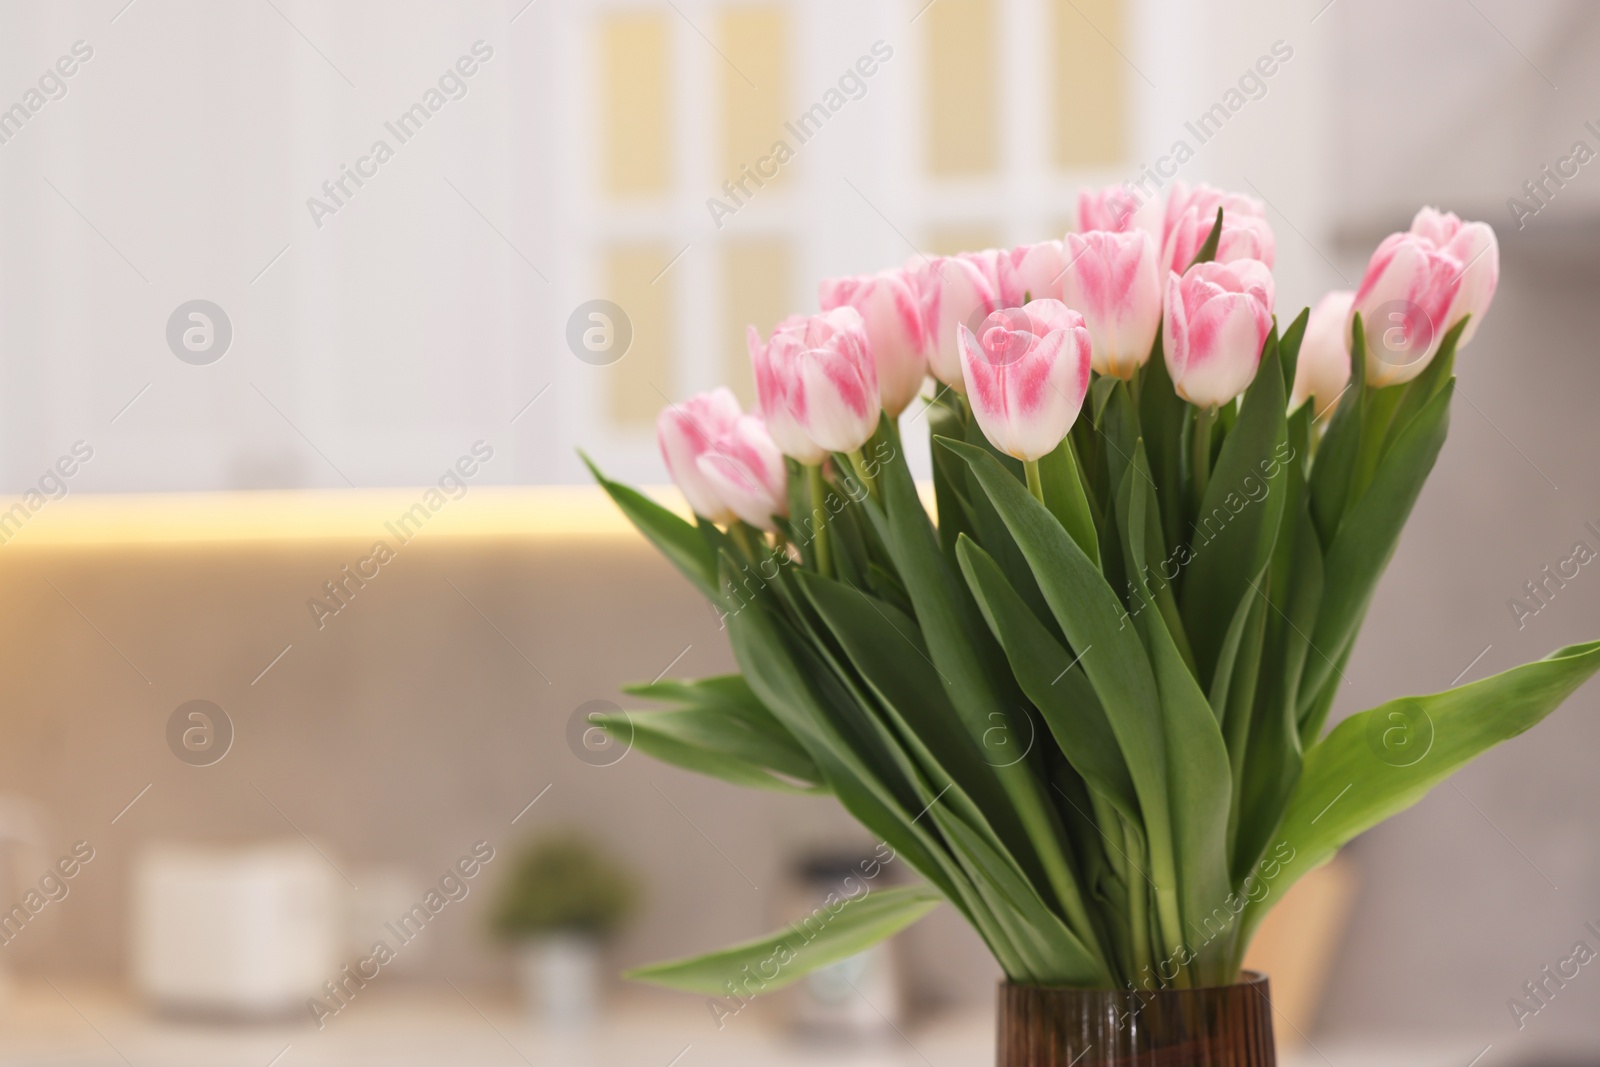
(87, 1026)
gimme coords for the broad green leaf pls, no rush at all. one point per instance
(1425, 386)
(1092, 617)
(718, 744)
(1368, 535)
(1237, 524)
(837, 928)
(1380, 762)
(1064, 495)
(1161, 417)
(723, 692)
(949, 480)
(973, 668)
(788, 678)
(1289, 347)
(678, 540)
(722, 719)
(1199, 782)
(1336, 455)
(886, 649)
(1060, 956)
(1051, 679)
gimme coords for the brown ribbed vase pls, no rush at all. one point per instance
(1224, 1026)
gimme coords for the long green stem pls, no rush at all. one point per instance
(1200, 454)
(858, 461)
(817, 489)
(1035, 484)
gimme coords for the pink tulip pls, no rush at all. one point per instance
(745, 469)
(1405, 301)
(1112, 279)
(773, 364)
(954, 290)
(1243, 237)
(1204, 200)
(1218, 316)
(1026, 372)
(1118, 209)
(1034, 272)
(1474, 244)
(1190, 215)
(888, 304)
(687, 431)
(832, 391)
(1323, 367)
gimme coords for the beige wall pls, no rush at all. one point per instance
(396, 736)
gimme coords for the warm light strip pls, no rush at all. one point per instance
(568, 512)
(549, 511)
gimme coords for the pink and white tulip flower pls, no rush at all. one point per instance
(1243, 237)
(773, 362)
(888, 305)
(744, 467)
(1217, 319)
(1026, 373)
(1118, 209)
(954, 290)
(1474, 244)
(1034, 272)
(689, 430)
(1113, 280)
(1405, 302)
(832, 389)
(1204, 200)
(1190, 215)
(1322, 369)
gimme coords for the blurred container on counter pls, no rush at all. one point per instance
(243, 932)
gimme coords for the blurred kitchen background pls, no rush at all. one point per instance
(178, 510)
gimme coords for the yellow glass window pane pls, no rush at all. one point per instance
(637, 384)
(635, 108)
(756, 279)
(1090, 90)
(754, 82)
(971, 237)
(963, 88)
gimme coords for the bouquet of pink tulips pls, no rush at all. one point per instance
(1085, 701)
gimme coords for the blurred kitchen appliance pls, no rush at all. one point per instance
(237, 931)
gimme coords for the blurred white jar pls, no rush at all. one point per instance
(245, 931)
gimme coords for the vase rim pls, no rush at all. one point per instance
(1247, 978)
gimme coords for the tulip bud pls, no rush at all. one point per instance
(1026, 372)
(1474, 244)
(888, 304)
(1032, 271)
(1118, 209)
(1405, 300)
(833, 390)
(1217, 319)
(773, 364)
(1112, 280)
(745, 469)
(687, 431)
(954, 290)
(1322, 369)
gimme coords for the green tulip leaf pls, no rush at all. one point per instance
(837, 928)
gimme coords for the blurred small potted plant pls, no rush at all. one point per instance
(564, 898)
